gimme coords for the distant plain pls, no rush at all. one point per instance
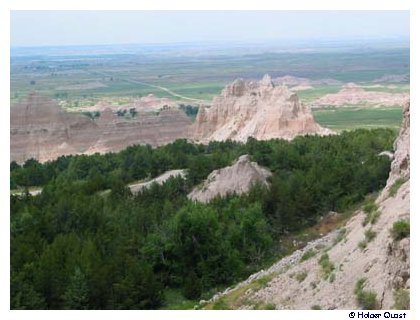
(82, 76)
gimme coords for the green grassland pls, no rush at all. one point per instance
(310, 95)
(199, 77)
(348, 118)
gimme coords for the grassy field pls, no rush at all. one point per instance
(87, 78)
(307, 96)
(82, 80)
(348, 118)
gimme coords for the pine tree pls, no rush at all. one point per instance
(77, 294)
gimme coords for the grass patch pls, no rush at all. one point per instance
(350, 118)
(371, 218)
(370, 208)
(221, 304)
(400, 229)
(396, 186)
(264, 306)
(175, 300)
(237, 298)
(340, 236)
(362, 245)
(327, 266)
(369, 236)
(301, 276)
(263, 281)
(365, 299)
(316, 307)
(270, 306)
(307, 255)
(402, 299)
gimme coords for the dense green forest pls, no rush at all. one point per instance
(75, 246)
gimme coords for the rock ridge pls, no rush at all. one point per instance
(261, 110)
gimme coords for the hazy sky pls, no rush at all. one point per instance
(36, 28)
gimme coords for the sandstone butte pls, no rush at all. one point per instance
(260, 110)
(237, 178)
(40, 129)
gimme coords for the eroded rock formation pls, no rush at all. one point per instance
(384, 262)
(148, 128)
(353, 94)
(40, 129)
(254, 109)
(237, 178)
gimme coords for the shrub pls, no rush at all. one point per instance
(221, 304)
(370, 235)
(370, 206)
(371, 217)
(396, 186)
(263, 281)
(402, 299)
(400, 229)
(316, 307)
(362, 244)
(326, 265)
(270, 306)
(371, 211)
(300, 276)
(365, 299)
(307, 255)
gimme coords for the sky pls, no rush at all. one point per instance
(57, 28)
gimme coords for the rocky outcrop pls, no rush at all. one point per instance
(353, 94)
(40, 129)
(383, 261)
(400, 167)
(237, 178)
(147, 128)
(254, 109)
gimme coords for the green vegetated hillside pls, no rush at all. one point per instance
(76, 247)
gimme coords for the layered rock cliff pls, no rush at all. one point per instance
(255, 109)
(148, 128)
(40, 129)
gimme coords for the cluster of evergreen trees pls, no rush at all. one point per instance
(77, 247)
